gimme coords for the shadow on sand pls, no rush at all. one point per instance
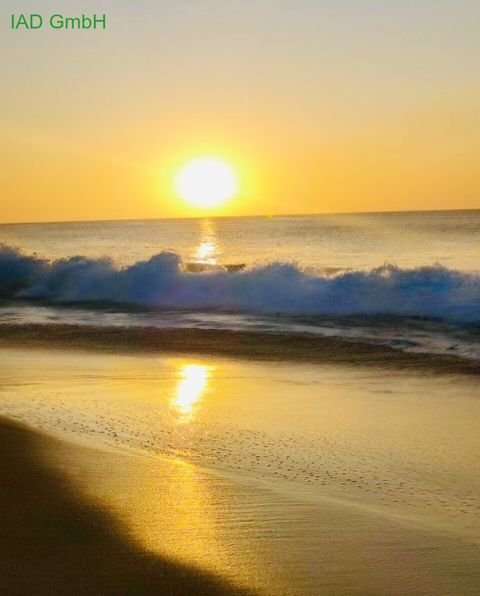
(54, 541)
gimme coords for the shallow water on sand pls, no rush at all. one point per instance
(402, 444)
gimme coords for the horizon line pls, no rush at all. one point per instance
(260, 215)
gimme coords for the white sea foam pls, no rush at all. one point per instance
(163, 282)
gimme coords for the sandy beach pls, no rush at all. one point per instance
(113, 523)
(247, 345)
(56, 540)
(164, 473)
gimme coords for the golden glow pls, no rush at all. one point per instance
(207, 249)
(205, 252)
(206, 182)
(176, 510)
(190, 389)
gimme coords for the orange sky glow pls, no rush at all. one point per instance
(317, 107)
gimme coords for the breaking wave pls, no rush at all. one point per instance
(163, 282)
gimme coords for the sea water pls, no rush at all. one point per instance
(407, 280)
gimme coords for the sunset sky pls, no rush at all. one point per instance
(319, 106)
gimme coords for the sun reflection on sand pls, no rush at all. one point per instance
(176, 510)
(194, 379)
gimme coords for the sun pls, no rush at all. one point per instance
(206, 182)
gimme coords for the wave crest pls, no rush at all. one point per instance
(163, 282)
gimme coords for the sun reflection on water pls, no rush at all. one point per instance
(207, 249)
(193, 382)
(206, 252)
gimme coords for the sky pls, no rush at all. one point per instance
(320, 106)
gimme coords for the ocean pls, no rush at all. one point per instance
(408, 281)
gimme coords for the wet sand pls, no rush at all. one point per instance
(213, 475)
(56, 540)
(235, 344)
(86, 520)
